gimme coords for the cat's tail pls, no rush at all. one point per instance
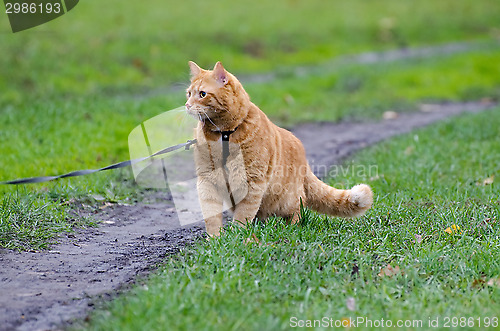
(329, 200)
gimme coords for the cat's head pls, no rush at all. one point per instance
(216, 97)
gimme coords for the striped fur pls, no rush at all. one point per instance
(276, 175)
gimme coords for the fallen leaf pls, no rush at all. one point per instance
(351, 304)
(489, 180)
(252, 239)
(494, 282)
(390, 115)
(389, 271)
(478, 283)
(98, 197)
(453, 229)
(106, 205)
(346, 322)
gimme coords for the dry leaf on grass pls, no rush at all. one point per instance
(486, 181)
(489, 180)
(478, 283)
(106, 205)
(252, 239)
(98, 197)
(390, 271)
(495, 282)
(453, 229)
(390, 115)
(346, 322)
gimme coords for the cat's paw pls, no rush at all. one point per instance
(361, 196)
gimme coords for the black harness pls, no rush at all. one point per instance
(225, 155)
(225, 147)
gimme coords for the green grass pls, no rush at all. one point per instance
(73, 89)
(31, 222)
(132, 46)
(81, 133)
(426, 182)
(339, 92)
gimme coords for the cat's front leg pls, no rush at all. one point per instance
(247, 209)
(211, 206)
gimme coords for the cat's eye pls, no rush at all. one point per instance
(203, 94)
(189, 94)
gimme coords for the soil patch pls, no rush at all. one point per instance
(49, 289)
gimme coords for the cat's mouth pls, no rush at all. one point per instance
(197, 113)
(202, 116)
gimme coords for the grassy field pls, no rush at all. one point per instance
(435, 222)
(67, 134)
(74, 88)
(132, 47)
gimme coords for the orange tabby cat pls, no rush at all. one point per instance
(276, 175)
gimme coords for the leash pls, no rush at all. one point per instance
(123, 164)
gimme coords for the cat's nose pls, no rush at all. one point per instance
(188, 105)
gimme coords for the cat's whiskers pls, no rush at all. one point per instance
(206, 115)
(201, 119)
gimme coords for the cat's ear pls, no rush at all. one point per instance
(195, 69)
(220, 74)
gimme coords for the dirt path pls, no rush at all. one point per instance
(328, 144)
(47, 289)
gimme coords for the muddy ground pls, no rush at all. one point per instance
(49, 289)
